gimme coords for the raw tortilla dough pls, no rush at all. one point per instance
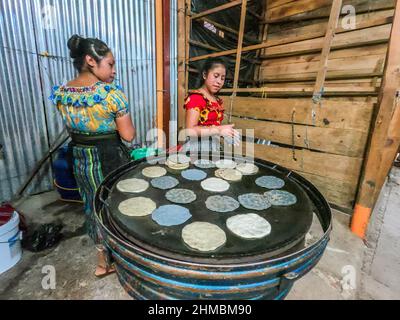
(254, 201)
(182, 196)
(154, 172)
(249, 226)
(221, 204)
(280, 198)
(171, 215)
(203, 236)
(204, 164)
(194, 175)
(132, 185)
(247, 168)
(164, 183)
(137, 207)
(215, 185)
(270, 182)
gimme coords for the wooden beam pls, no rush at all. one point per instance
(230, 30)
(239, 51)
(159, 69)
(381, 146)
(181, 62)
(166, 13)
(326, 49)
(376, 35)
(216, 9)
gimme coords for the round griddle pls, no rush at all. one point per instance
(289, 224)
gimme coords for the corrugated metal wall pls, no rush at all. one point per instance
(29, 123)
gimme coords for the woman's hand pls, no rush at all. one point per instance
(228, 131)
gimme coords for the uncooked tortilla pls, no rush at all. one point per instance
(247, 168)
(221, 204)
(226, 164)
(132, 185)
(228, 174)
(171, 215)
(254, 201)
(270, 182)
(249, 226)
(182, 196)
(194, 174)
(164, 183)
(137, 207)
(203, 236)
(177, 166)
(280, 198)
(154, 172)
(215, 185)
(178, 159)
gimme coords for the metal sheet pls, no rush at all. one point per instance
(29, 122)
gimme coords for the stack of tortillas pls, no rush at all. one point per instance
(132, 185)
(215, 185)
(247, 168)
(154, 172)
(178, 162)
(228, 174)
(137, 207)
(203, 236)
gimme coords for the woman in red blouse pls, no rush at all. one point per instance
(205, 111)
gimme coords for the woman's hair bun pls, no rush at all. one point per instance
(74, 45)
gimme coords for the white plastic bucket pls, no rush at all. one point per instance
(10, 243)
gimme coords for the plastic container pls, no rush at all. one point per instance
(10, 243)
(64, 181)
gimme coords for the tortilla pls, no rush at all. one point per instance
(215, 185)
(137, 207)
(280, 198)
(178, 159)
(171, 215)
(204, 164)
(132, 185)
(154, 172)
(247, 168)
(203, 236)
(221, 204)
(177, 166)
(254, 201)
(228, 174)
(182, 196)
(194, 175)
(164, 183)
(226, 164)
(249, 226)
(270, 182)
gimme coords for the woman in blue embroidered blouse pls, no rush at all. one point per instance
(96, 114)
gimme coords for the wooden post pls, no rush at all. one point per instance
(159, 68)
(239, 54)
(330, 34)
(385, 137)
(166, 7)
(217, 9)
(182, 70)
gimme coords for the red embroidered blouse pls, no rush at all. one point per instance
(211, 113)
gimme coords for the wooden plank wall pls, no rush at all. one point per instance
(329, 150)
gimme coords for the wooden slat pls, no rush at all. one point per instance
(336, 192)
(368, 36)
(337, 167)
(306, 9)
(331, 140)
(349, 39)
(216, 9)
(315, 29)
(347, 114)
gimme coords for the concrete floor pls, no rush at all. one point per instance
(348, 270)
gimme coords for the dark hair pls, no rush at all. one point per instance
(211, 63)
(80, 47)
